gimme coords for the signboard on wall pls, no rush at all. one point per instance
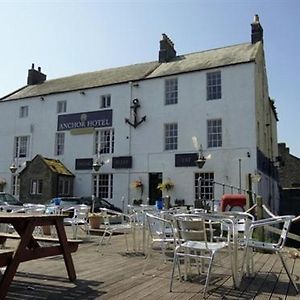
(122, 162)
(185, 160)
(92, 119)
(83, 164)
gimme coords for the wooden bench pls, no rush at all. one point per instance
(5, 257)
(73, 244)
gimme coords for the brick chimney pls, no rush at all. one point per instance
(35, 76)
(167, 51)
(256, 31)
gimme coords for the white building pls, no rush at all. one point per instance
(220, 96)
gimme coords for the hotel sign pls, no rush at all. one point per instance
(83, 164)
(92, 119)
(122, 162)
(186, 160)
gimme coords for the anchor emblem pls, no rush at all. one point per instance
(135, 105)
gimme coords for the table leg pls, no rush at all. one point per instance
(65, 249)
(11, 269)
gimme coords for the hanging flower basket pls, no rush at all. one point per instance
(166, 186)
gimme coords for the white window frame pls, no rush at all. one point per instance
(105, 101)
(171, 136)
(171, 91)
(23, 113)
(22, 146)
(15, 185)
(104, 141)
(214, 85)
(61, 106)
(206, 186)
(214, 133)
(36, 187)
(103, 185)
(59, 143)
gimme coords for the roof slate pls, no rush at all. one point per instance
(242, 53)
(57, 166)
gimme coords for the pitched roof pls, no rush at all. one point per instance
(237, 54)
(56, 166)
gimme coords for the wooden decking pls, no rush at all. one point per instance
(118, 275)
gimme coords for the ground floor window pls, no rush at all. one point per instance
(36, 187)
(15, 185)
(103, 185)
(64, 186)
(204, 187)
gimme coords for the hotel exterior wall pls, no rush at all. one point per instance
(146, 143)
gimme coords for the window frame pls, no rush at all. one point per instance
(61, 106)
(24, 111)
(59, 143)
(36, 186)
(104, 144)
(64, 186)
(170, 136)
(20, 145)
(171, 91)
(207, 191)
(105, 101)
(213, 85)
(103, 185)
(214, 133)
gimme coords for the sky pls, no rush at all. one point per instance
(71, 37)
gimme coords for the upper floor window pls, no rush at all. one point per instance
(171, 136)
(23, 113)
(105, 101)
(36, 187)
(171, 91)
(61, 106)
(213, 84)
(214, 133)
(104, 141)
(59, 143)
(21, 146)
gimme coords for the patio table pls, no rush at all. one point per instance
(29, 247)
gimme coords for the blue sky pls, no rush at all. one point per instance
(71, 37)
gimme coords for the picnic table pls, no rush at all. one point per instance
(30, 246)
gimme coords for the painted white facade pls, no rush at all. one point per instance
(248, 124)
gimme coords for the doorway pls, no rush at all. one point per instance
(154, 193)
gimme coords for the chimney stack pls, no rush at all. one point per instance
(35, 76)
(167, 51)
(256, 31)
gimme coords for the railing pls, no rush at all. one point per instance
(224, 189)
(262, 210)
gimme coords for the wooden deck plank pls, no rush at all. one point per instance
(117, 275)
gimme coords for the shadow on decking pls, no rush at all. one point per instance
(37, 286)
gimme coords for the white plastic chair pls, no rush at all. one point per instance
(194, 240)
(274, 247)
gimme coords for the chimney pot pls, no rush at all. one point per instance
(167, 51)
(256, 31)
(35, 76)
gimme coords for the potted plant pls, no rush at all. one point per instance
(166, 185)
(139, 186)
(95, 220)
